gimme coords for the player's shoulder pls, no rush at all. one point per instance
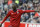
(19, 10)
(10, 10)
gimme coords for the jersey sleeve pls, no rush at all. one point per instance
(27, 11)
(6, 17)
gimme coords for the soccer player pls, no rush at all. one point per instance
(15, 16)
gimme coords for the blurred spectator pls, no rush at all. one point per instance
(24, 6)
(38, 20)
(31, 4)
(1, 1)
(9, 2)
(22, 18)
(5, 8)
(26, 17)
(36, 1)
(0, 13)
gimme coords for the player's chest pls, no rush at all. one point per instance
(14, 13)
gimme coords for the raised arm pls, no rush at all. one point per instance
(28, 11)
(6, 17)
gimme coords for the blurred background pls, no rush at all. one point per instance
(33, 17)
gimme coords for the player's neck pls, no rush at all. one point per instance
(14, 10)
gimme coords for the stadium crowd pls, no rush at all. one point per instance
(33, 17)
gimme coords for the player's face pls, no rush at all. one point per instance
(14, 7)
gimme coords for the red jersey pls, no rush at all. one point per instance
(16, 16)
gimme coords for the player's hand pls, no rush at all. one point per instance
(0, 25)
(36, 11)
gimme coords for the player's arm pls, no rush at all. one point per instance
(6, 17)
(28, 11)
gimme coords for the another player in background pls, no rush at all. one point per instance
(15, 16)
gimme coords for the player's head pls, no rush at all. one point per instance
(14, 6)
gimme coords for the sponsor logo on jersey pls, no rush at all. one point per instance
(17, 12)
(11, 13)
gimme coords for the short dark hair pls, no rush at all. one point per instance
(13, 6)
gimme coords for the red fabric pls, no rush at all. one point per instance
(15, 17)
(36, 14)
(9, 2)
